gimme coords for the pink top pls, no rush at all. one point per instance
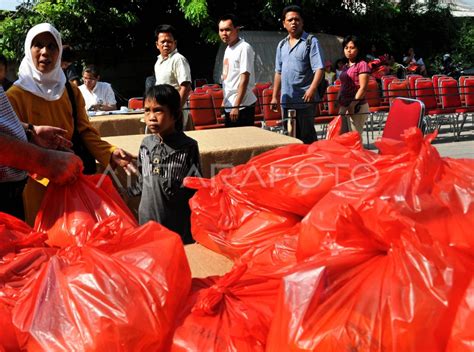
(350, 82)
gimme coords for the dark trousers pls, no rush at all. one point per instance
(11, 201)
(304, 124)
(246, 117)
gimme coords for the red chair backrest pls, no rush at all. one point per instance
(201, 109)
(449, 92)
(135, 103)
(211, 85)
(258, 108)
(403, 114)
(258, 90)
(200, 89)
(333, 104)
(397, 88)
(217, 95)
(411, 79)
(462, 86)
(385, 81)
(436, 79)
(424, 91)
(373, 94)
(268, 113)
(469, 92)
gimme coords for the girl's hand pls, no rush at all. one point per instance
(125, 160)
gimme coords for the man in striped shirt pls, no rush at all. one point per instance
(18, 157)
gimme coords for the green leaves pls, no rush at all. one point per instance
(195, 11)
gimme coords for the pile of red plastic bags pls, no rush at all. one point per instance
(336, 248)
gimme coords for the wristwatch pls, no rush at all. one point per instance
(30, 132)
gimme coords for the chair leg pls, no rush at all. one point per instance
(367, 129)
(464, 117)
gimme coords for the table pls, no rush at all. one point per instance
(119, 124)
(203, 262)
(221, 147)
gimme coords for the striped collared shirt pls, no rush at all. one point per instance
(10, 125)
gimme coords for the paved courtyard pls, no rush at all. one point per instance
(445, 143)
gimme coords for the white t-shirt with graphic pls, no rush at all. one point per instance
(238, 59)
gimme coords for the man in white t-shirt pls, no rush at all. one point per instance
(238, 75)
(99, 96)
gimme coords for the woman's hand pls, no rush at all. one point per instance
(51, 137)
(125, 160)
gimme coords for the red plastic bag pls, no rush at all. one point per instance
(371, 289)
(413, 180)
(19, 261)
(275, 258)
(462, 334)
(16, 234)
(17, 270)
(229, 313)
(334, 128)
(253, 204)
(227, 223)
(65, 210)
(117, 291)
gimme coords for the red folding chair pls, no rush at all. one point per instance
(403, 114)
(200, 89)
(135, 103)
(397, 88)
(217, 95)
(329, 108)
(435, 79)
(451, 101)
(376, 110)
(258, 90)
(201, 110)
(411, 80)
(467, 101)
(462, 86)
(385, 82)
(211, 85)
(424, 91)
(271, 118)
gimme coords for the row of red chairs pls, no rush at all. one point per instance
(447, 101)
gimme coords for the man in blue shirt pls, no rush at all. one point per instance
(298, 72)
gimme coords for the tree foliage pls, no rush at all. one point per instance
(109, 24)
(80, 21)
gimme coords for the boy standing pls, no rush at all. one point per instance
(165, 158)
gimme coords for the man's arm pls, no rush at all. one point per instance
(109, 100)
(59, 167)
(309, 94)
(276, 91)
(243, 83)
(184, 90)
